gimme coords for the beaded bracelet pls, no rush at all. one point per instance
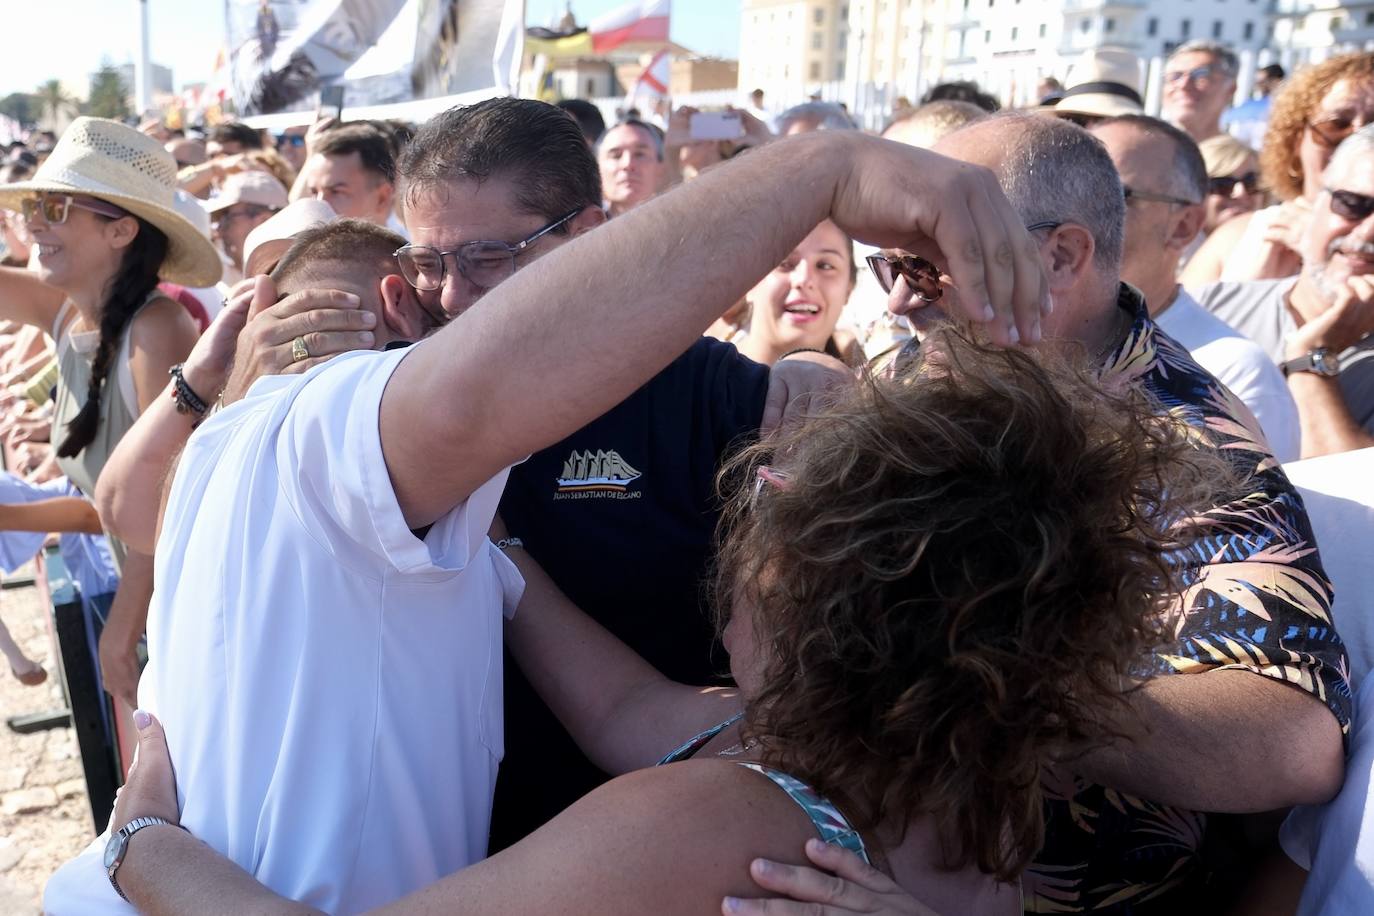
(187, 401)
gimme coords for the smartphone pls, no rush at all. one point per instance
(331, 101)
(717, 125)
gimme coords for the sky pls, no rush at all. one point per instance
(186, 34)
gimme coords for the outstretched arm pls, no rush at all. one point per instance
(620, 710)
(60, 514)
(484, 391)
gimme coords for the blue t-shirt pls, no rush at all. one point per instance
(622, 515)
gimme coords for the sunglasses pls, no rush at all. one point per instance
(55, 208)
(1133, 194)
(1329, 132)
(291, 140)
(1225, 186)
(1200, 76)
(922, 277)
(1351, 205)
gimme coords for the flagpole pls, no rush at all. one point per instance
(141, 96)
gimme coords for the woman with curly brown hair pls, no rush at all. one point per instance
(1316, 109)
(931, 593)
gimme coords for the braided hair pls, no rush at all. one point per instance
(129, 289)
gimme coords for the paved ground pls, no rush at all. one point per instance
(44, 816)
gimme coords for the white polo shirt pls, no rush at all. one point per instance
(330, 684)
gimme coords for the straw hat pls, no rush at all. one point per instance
(1103, 84)
(270, 239)
(105, 159)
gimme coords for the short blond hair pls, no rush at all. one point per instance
(1223, 154)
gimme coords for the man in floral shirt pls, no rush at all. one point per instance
(1259, 722)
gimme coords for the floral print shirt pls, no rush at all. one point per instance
(1256, 599)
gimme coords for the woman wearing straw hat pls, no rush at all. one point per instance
(106, 231)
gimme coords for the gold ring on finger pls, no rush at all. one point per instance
(299, 350)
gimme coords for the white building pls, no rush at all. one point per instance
(865, 49)
(1309, 30)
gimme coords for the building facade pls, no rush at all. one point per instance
(791, 48)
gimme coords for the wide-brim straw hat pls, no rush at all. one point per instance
(1105, 83)
(107, 160)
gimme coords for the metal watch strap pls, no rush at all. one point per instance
(1320, 361)
(128, 830)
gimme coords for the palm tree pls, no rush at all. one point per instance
(54, 101)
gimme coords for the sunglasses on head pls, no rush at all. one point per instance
(1351, 205)
(55, 208)
(1226, 184)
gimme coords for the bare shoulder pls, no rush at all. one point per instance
(164, 324)
(668, 840)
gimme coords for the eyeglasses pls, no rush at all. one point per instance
(56, 207)
(1351, 205)
(1225, 186)
(291, 140)
(1199, 76)
(1329, 132)
(482, 263)
(922, 277)
(1132, 194)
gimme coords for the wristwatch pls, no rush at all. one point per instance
(118, 846)
(1320, 361)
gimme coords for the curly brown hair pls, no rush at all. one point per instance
(955, 582)
(1293, 107)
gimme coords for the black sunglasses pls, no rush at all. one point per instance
(1329, 132)
(922, 277)
(1351, 205)
(1226, 184)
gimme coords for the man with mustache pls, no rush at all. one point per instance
(1318, 326)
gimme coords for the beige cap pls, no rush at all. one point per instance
(267, 242)
(252, 187)
(1105, 83)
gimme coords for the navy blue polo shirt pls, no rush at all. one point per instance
(622, 515)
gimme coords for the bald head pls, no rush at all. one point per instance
(1052, 171)
(924, 126)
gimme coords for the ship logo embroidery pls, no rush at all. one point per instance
(603, 471)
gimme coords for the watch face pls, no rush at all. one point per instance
(114, 850)
(1324, 363)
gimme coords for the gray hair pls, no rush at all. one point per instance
(1357, 146)
(1220, 52)
(1188, 177)
(826, 115)
(1055, 171)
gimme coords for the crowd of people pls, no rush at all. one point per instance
(517, 512)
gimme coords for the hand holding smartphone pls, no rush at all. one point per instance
(716, 125)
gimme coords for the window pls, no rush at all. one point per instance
(1084, 25)
(815, 70)
(1186, 27)
(1013, 33)
(1109, 25)
(1368, 19)
(987, 37)
(818, 16)
(1249, 30)
(817, 41)
(839, 71)
(1043, 29)
(1152, 27)
(1336, 23)
(1216, 28)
